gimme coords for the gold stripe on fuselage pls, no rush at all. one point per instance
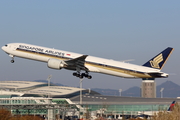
(120, 70)
(111, 68)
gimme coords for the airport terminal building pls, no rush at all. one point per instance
(37, 98)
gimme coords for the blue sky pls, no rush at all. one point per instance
(118, 30)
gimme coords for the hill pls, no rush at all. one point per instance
(171, 90)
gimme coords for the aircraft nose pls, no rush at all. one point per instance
(4, 48)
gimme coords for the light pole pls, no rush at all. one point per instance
(120, 90)
(48, 79)
(80, 100)
(80, 90)
(161, 92)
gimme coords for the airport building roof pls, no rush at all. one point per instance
(20, 84)
(39, 89)
(120, 100)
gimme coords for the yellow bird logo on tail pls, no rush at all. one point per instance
(155, 62)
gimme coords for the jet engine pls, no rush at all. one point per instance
(55, 64)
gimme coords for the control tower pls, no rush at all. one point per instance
(148, 89)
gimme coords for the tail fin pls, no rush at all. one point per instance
(159, 60)
(171, 106)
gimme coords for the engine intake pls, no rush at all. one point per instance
(55, 64)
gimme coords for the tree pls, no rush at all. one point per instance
(5, 114)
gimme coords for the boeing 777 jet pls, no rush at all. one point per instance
(58, 59)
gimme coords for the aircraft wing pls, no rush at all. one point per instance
(77, 63)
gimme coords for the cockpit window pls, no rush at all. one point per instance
(6, 45)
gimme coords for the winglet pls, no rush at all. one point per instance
(171, 106)
(159, 60)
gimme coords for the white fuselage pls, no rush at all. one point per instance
(93, 64)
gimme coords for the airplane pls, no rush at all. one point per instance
(147, 114)
(58, 59)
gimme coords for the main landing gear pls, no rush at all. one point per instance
(12, 56)
(82, 75)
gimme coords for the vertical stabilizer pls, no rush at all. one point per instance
(171, 106)
(159, 60)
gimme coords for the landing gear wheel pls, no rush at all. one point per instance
(77, 74)
(12, 61)
(89, 77)
(74, 74)
(86, 75)
(81, 76)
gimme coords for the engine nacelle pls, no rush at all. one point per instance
(55, 64)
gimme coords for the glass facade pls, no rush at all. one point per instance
(39, 106)
(126, 108)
